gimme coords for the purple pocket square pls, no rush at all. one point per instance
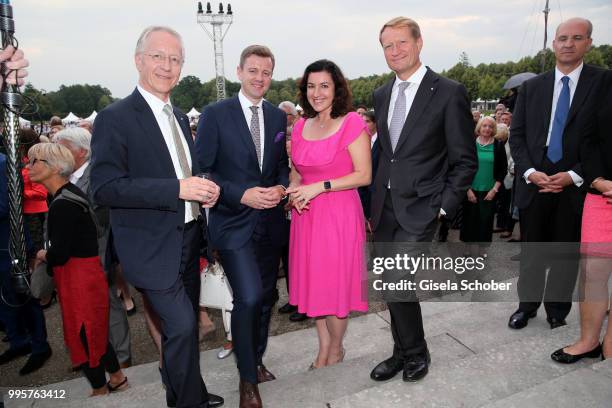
(279, 136)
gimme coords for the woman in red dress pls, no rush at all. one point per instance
(72, 258)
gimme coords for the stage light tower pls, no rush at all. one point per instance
(217, 34)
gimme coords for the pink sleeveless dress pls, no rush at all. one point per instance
(327, 264)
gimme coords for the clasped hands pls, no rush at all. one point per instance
(551, 184)
(262, 198)
(300, 196)
(471, 196)
(204, 191)
(604, 187)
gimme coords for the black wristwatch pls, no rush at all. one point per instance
(327, 185)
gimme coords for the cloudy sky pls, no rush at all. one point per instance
(92, 41)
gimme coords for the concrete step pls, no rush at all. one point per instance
(454, 331)
(586, 387)
(484, 378)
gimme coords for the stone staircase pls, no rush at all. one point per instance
(476, 362)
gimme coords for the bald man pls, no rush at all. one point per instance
(554, 112)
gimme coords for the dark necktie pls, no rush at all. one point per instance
(182, 157)
(555, 146)
(255, 132)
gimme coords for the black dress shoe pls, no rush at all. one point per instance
(287, 308)
(387, 369)
(298, 317)
(554, 322)
(519, 319)
(263, 375)
(12, 353)
(215, 400)
(416, 367)
(562, 357)
(35, 361)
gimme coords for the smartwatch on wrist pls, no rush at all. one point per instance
(327, 185)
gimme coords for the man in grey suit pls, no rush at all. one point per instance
(427, 160)
(78, 141)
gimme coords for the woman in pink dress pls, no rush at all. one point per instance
(331, 158)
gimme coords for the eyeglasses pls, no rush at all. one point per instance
(33, 161)
(160, 58)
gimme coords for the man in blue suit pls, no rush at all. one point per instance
(142, 169)
(241, 142)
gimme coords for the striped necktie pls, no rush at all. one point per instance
(182, 157)
(399, 114)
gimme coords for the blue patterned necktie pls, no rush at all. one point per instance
(555, 146)
(399, 114)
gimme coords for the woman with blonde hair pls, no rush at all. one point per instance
(72, 259)
(479, 205)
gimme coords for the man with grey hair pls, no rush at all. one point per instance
(143, 167)
(78, 141)
(554, 113)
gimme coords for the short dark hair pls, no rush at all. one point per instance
(343, 100)
(370, 115)
(259, 50)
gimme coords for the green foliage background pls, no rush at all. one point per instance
(484, 81)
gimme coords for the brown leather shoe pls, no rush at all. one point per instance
(249, 395)
(264, 375)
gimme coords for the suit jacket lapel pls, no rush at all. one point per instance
(583, 88)
(548, 84)
(426, 90)
(383, 132)
(243, 130)
(83, 181)
(152, 133)
(269, 134)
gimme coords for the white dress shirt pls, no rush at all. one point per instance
(558, 86)
(246, 104)
(157, 106)
(410, 92)
(78, 173)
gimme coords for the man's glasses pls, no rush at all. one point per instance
(160, 58)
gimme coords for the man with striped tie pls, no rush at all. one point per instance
(241, 142)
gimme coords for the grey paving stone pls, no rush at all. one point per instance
(584, 388)
(483, 378)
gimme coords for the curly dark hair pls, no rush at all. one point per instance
(343, 100)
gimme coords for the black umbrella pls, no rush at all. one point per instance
(518, 79)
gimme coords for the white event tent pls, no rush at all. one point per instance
(91, 117)
(71, 118)
(193, 114)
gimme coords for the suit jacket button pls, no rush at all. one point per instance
(392, 160)
(180, 228)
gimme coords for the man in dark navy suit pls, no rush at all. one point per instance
(142, 168)
(241, 142)
(554, 113)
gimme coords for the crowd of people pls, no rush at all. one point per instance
(136, 199)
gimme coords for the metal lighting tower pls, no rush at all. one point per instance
(217, 21)
(545, 11)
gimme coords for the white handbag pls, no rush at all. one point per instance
(216, 293)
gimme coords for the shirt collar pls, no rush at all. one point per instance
(156, 104)
(573, 76)
(78, 173)
(415, 78)
(246, 103)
